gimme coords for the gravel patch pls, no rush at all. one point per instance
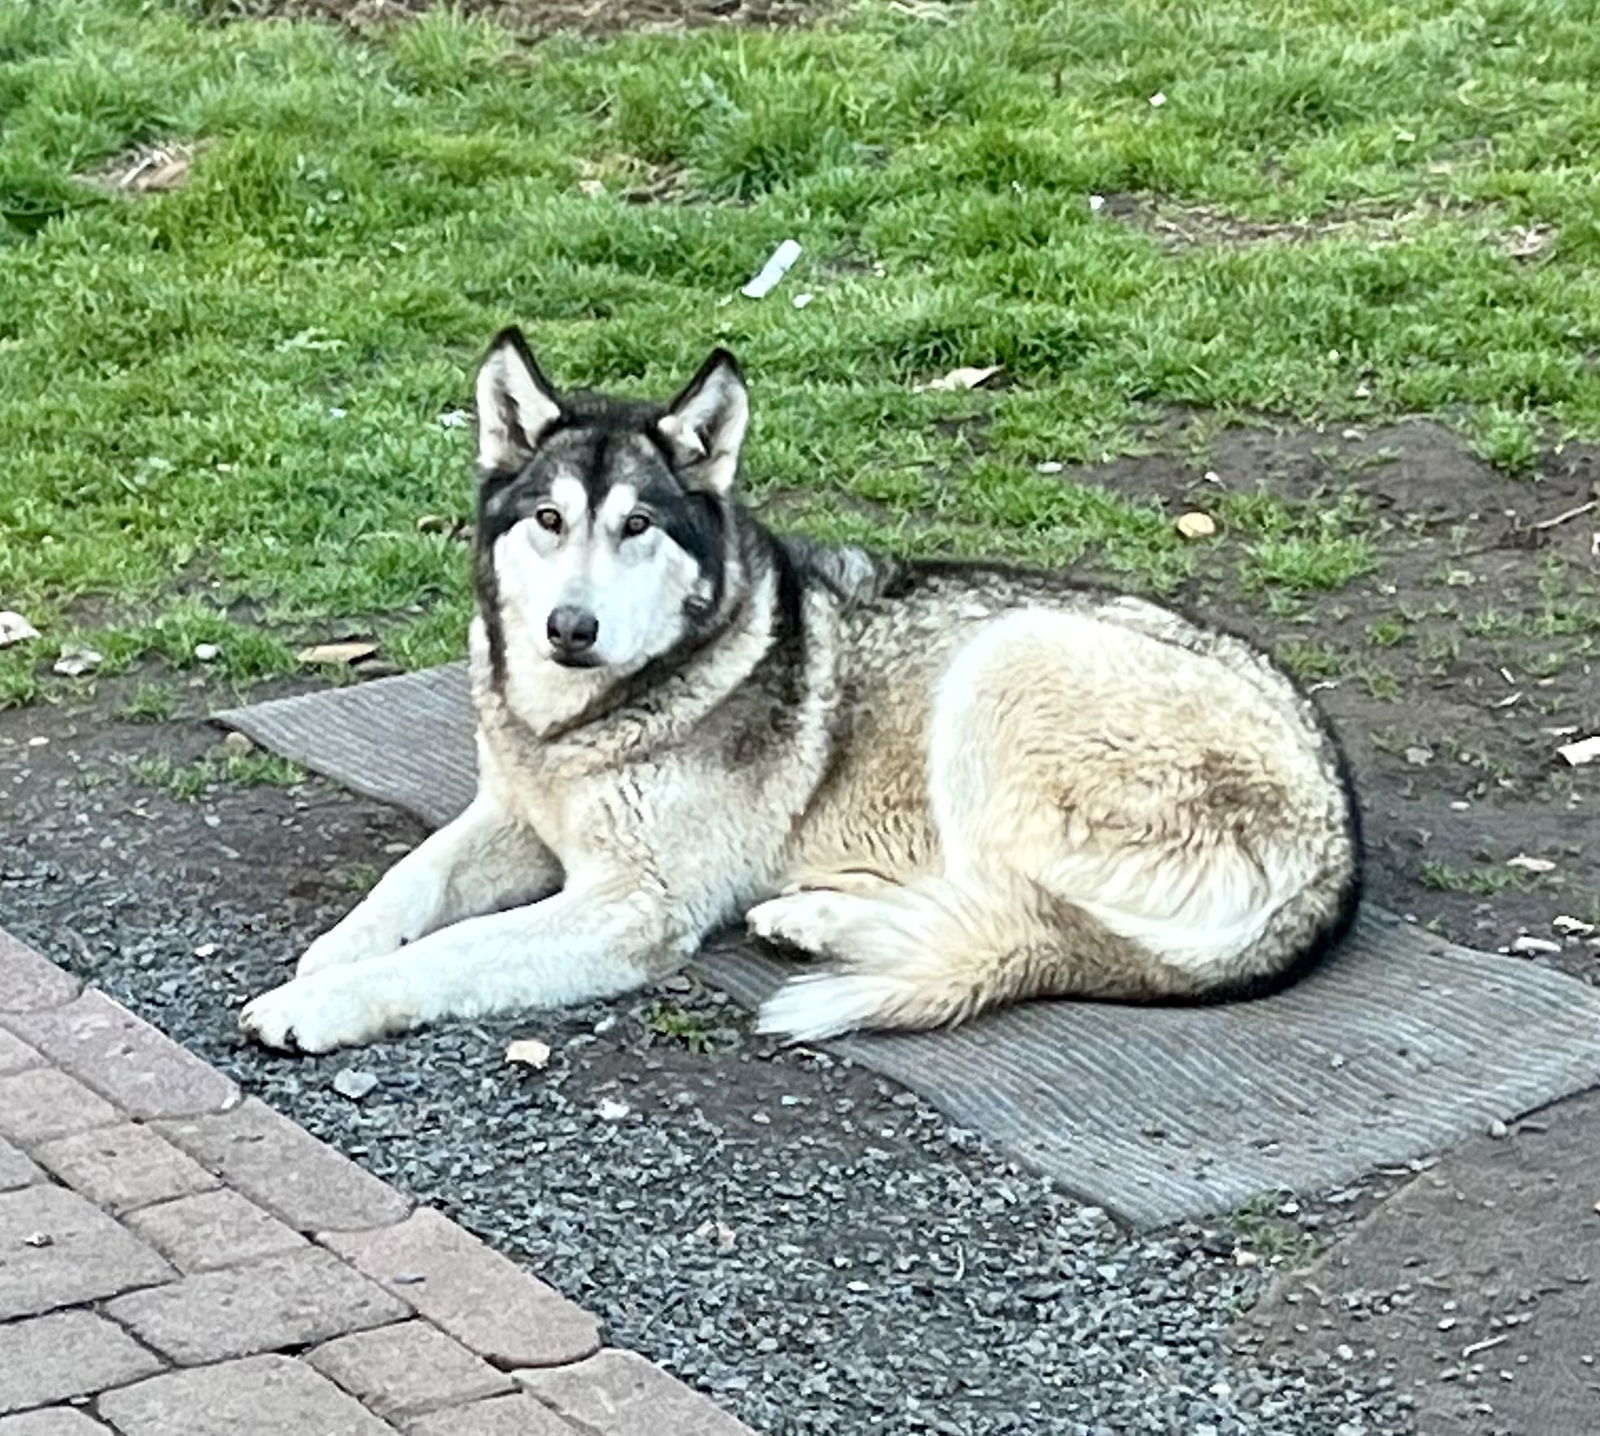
(815, 1248)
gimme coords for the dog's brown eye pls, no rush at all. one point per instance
(635, 525)
(548, 519)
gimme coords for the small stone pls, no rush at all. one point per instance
(1530, 865)
(348, 1082)
(1498, 1129)
(1526, 946)
(238, 745)
(1196, 525)
(207, 653)
(611, 1110)
(1419, 757)
(1050, 466)
(529, 1052)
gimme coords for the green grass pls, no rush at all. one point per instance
(193, 781)
(667, 1019)
(149, 703)
(220, 408)
(1482, 881)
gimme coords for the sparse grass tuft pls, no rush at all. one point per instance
(149, 703)
(1483, 881)
(1506, 438)
(668, 1020)
(193, 781)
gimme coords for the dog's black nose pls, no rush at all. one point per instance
(572, 630)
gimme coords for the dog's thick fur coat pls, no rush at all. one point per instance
(955, 785)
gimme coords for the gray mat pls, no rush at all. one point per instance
(1400, 1046)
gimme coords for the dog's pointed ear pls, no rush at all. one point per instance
(704, 426)
(515, 404)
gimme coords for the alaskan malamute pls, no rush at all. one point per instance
(951, 785)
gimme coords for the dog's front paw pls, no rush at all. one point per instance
(318, 1013)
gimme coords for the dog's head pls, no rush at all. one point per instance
(602, 522)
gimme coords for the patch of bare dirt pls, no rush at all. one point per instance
(1453, 672)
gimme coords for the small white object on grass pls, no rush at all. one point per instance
(767, 279)
(967, 377)
(207, 652)
(76, 660)
(14, 628)
(1530, 865)
(1585, 750)
(801, 300)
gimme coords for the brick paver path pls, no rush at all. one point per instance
(178, 1260)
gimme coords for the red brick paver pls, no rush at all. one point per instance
(176, 1261)
(213, 1229)
(286, 1169)
(72, 1353)
(56, 1421)
(58, 1250)
(261, 1396)
(123, 1167)
(498, 1416)
(267, 1305)
(43, 1103)
(15, 1054)
(407, 1370)
(15, 1169)
(473, 1293)
(617, 1393)
(124, 1059)
(29, 980)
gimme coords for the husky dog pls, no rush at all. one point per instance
(955, 785)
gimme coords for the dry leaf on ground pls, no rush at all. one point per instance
(345, 651)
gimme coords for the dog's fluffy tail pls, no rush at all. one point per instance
(931, 954)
